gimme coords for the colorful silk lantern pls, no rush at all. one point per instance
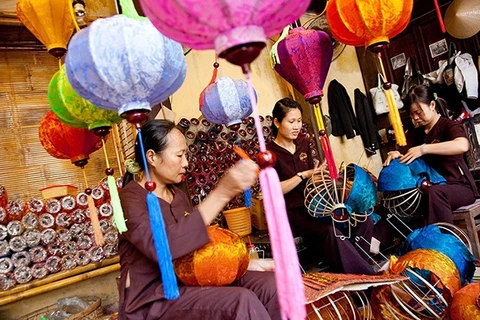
(238, 31)
(372, 23)
(74, 110)
(64, 142)
(124, 64)
(303, 58)
(50, 22)
(226, 101)
(465, 303)
(220, 262)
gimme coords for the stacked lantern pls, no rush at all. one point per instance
(372, 23)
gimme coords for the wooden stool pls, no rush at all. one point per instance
(467, 215)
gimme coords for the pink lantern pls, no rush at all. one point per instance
(238, 31)
(239, 26)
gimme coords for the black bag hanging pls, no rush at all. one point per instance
(412, 77)
(449, 71)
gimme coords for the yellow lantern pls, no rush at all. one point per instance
(50, 21)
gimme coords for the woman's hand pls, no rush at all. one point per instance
(390, 156)
(412, 154)
(317, 167)
(261, 265)
(239, 177)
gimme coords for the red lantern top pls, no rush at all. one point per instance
(367, 22)
(64, 142)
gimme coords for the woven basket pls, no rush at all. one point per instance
(239, 220)
(93, 312)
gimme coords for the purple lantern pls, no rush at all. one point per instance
(226, 101)
(305, 57)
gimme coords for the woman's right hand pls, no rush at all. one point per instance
(390, 156)
(317, 167)
(239, 177)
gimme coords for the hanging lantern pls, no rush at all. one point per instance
(226, 101)
(50, 22)
(64, 142)
(124, 64)
(304, 60)
(238, 31)
(74, 110)
(367, 22)
(372, 23)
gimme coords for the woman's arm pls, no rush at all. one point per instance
(239, 178)
(456, 146)
(290, 184)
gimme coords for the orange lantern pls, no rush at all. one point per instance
(220, 262)
(465, 303)
(50, 21)
(372, 23)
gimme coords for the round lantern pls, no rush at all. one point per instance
(124, 64)
(403, 185)
(367, 22)
(226, 101)
(238, 30)
(304, 60)
(220, 262)
(465, 305)
(74, 110)
(64, 142)
(50, 22)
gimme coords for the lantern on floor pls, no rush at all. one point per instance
(218, 263)
(303, 58)
(372, 23)
(123, 63)
(238, 31)
(50, 22)
(78, 112)
(465, 305)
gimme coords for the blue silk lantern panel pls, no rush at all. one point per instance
(226, 101)
(431, 237)
(123, 64)
(363, 195)
(399, 176)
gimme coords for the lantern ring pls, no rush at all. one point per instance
(134, 105)
(380, 39)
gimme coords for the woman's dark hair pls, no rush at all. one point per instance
(281, 108)
(154, 137)
(424, 94)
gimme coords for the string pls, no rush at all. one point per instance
(105, 152)
(85, 178)
(73, 16)
(115, 147)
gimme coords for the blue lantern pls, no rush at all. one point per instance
(226, 101)
(124, 64)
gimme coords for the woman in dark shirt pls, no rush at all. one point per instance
(442, 143)
(294, 166)
(141, 291)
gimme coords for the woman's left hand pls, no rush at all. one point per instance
(261, 265)
(412, 154)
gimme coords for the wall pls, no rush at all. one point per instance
(271, 87)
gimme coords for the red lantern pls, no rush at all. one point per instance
(220, 262)
(64, 142)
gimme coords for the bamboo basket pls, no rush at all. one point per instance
(93, 312)
(239, 220)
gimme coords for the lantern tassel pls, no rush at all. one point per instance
(439, 15)
(157, 226)
(395, 118)
(97, 232)
(326, 146)
(118, 217)
(290, 290)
